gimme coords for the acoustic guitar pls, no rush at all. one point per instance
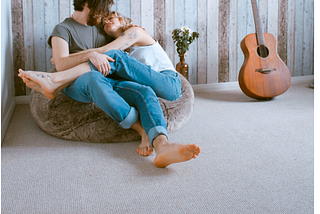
(263, 74)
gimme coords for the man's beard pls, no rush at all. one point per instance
(93, 19)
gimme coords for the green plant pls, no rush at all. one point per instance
(183, 37)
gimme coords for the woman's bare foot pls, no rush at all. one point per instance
(45, 80)
(167, 153)
(35, 86)
(145, 148)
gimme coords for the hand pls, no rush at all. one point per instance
(131, 25)
(101, 62)
(52, 61)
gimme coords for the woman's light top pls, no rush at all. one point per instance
(153, 56)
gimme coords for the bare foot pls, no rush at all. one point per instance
(145, 148)
(44, 80)
(35, 86)
(173, 153)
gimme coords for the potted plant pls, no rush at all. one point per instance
(183, 37)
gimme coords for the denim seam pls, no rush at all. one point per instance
(153, 123)
(83, 88)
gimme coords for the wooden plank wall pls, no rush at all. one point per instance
(215, 57)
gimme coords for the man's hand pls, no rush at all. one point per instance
(101, 62)
(131, 25)
(52, 61)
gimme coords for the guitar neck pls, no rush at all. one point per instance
(257, 23)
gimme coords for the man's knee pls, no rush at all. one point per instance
(91, 78)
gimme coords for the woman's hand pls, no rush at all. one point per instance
(101, 62)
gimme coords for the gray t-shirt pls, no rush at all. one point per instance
(80, 37)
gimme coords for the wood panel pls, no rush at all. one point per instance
(241, 30)
(123, 6)
(51, 18)
(298, 38)
(282, 29)
(224, 41)
(191, 22)
(178, 21)
(212, 41)
(202, 42)
(64, 10)
(169, 15)
(215, 57)
(159, 22)
(147, 16)
(290, 36)
(308, 49)
(39, 39)
(135, 12)
(273, 17)
(18, 45)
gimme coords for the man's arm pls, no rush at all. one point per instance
(63, 60)
(60, 55)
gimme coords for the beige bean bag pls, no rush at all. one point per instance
(66, 118)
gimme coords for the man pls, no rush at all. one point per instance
(117, 98)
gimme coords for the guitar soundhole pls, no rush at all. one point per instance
(263, 51)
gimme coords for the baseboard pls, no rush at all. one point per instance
(235, 85)
(21, 100)
(7, 119)
(302, 79)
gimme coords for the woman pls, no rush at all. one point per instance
(157, 71)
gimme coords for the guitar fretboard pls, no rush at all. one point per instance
(259, 31)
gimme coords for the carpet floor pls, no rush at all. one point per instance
(256, 157)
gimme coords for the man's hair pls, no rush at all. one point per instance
(97, 7)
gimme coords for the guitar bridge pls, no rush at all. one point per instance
(265, 70)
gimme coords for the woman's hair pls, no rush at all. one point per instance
(97, 7)
(123, 19)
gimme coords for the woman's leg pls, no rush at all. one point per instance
(166, 84)
(144, 99)
(52, 83)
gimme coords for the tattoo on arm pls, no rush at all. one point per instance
(131, 36)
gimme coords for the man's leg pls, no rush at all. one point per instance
(94, 87)
(166, 84)
(144, 99)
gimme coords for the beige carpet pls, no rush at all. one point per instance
(257, 157)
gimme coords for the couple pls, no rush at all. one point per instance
(91, 68)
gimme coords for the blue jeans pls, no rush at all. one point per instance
(166, 84)
(125, 90)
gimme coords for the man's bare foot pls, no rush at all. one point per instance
(167, 153)
(44, 80)
(145, 148)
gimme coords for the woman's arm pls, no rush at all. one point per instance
(134, 36)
